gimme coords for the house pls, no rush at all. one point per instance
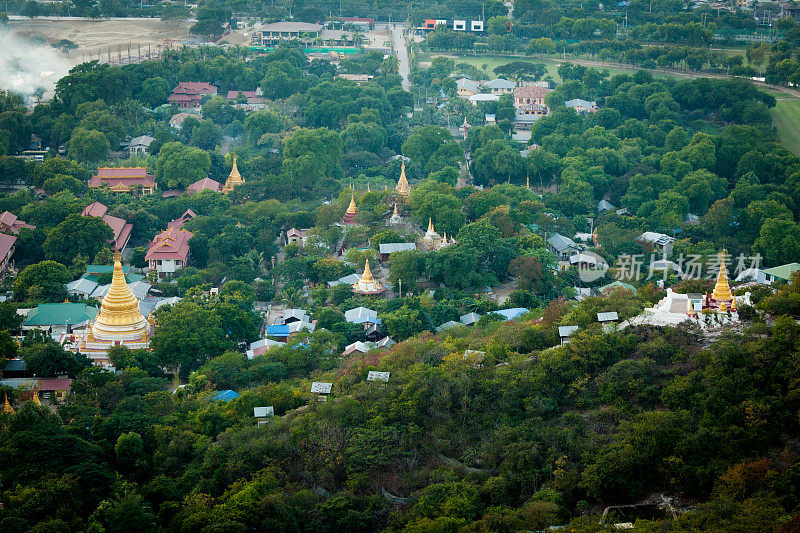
(176, 121)
(525, 122)
(581, 107)
(58, 319)
(658, 241)
(169, 252)
(293, 315)
(285, 331)
(469, 319)
(358, 347)
(511, 314)
(124, 180)
(121, 228)
(348, 280)
(262, 346)
(248, 100)
(483, 97)
(44, 388)
(362, 315)
(778, 273)
(297, 236)
(490, 118)
(181, 220)
(565, 332)
(604, 205)
(530, 100)
(447, 325)
(387, 249)
(610, 316)
(275, 33)
(9, 223)
(466, 87)
(6, 251)
(499, 86)
(582, 260)
(358, 78)
(605, 290)
(563, 247)
(225, 396)
(205, 184)
(139, 145)
(385, 342)
(189, 94)
(81, 287)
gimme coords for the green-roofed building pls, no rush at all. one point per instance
(605, 290)
(778, 273)
(57, 319)
(93, 273)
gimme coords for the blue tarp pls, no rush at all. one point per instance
(226, 395)
(511, 314)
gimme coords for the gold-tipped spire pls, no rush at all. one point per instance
(234, 178)
(722, 291)
(7, 405)
(528, 182)
(368, 187)
(444, 236)
(352, 208)
(366, 277)
(723, 307)
(689, 308)
(734, 307)
(430, 225)
(119, 308)
(403, 188)
(36, 397)
(396, 212)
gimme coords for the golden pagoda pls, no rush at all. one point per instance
(234, 178)
(352, 211)
(35, 397)
(7, 405)
(120, 322)
(403, 188)
(395, 218)
(721, 295)
(367, 284)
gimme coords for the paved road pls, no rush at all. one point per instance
(399, 48)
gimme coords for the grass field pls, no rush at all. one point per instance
(492, 61)
(786, 115)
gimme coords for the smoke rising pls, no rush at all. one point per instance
(26, 67)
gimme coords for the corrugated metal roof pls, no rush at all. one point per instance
(60, 314)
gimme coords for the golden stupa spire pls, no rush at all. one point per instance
(119, 307)
(396, 212)
(528, 182)
(722, 307)
(403, 188)
(7, 405)
(36, 397)
(689, 308)
(352, 208)
(734, 307)
(368, 187)
(722, 291)
(366, 277)
(234, 178)
(430, 225)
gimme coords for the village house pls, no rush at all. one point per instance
(139, 145)
(190, 94)
(277, 32)
(121, 228)
(248, 100)
(581, 107)
(203, 185)
(9, 223)
(169, 252)
(530, 100)
(499, 86)
(6, 252)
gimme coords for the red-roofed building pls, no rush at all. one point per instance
(253, 100)
(124, 179)
(9, 223)
(189, 94)
(169, 251)
(6, 251)
(181, 220)
(530, 100)
(121, 228)
(202, 185)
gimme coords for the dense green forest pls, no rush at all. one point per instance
(523, 438)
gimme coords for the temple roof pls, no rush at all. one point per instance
(352, 208)
(234, 178)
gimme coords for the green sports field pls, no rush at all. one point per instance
(786, 115)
